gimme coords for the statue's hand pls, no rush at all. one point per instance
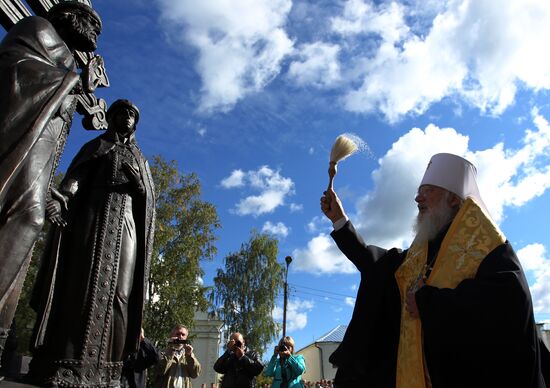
(134, 176)
(54, 213)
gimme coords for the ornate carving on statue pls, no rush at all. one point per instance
(93, 68)
(93, 109)
(81, 374)
(93, 76)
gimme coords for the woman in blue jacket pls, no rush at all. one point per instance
(286, 368)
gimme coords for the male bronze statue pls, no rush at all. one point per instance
(38, 87)
(91, 286)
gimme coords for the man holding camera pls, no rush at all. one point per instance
(177, 364)
(239, 365)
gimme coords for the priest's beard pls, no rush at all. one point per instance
(429, 224)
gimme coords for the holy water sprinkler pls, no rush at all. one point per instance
(344, 146)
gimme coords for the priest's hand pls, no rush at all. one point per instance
(331, 206)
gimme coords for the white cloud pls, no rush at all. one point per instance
(260, 204)
(534, 261)
(479, 50)
(392, 57)
(506, 177)
(319, 223)
(273, 188)
(240, 44)
(296, 313)
(236, 179)
(321, 256)
(361, 17)
(317, 65)
(296, 207)
(350, 301)
(278, 229)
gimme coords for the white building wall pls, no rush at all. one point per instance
(317, 364)
(313, 366)
(206, 346)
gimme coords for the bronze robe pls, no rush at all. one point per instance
(91, 287)
(37, 74)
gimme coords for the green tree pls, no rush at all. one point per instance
(245, 291)
(184, 236)
(261, 380)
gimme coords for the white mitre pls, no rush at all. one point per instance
(455, 174)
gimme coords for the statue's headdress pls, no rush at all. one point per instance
(122, 103)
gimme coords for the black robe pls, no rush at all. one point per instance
(480, 334)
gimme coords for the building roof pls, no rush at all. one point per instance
(335, 335)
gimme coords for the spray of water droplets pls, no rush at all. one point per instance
(362, 145)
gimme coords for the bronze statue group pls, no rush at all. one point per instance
(451, 311)
(90, 288)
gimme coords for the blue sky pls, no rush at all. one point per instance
(250, 95)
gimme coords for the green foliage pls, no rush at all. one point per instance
(262, 380)
(245, 291)
(184, 236)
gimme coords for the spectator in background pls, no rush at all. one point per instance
(239, 364)
(177, 364)
(134, 369)
(286, 368)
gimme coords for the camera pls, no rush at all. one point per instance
(283, 348)
(178, 341)
(238, 344)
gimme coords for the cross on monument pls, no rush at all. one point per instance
(92, 109)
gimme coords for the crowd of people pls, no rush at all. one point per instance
(176, 365)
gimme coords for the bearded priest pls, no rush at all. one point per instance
(452, 311)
